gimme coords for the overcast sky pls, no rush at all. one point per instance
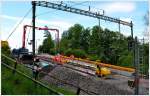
(13, 11)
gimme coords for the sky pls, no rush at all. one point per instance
(13, 11)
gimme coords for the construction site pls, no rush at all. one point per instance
(102, 62)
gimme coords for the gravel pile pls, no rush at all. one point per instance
(88, 83)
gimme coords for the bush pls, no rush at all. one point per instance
(79, 53)
(5, 49)
(76, 52)
(61, 50)
(93, 57)
(126, 60)
(53, 51)
(68, 52)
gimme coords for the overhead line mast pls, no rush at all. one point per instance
(33, 24)
(80, 11)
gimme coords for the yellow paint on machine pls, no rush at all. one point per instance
(103, 71)
(105, 65)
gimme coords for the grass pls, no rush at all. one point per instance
(16, 84)
(63, 90)
(19, 85)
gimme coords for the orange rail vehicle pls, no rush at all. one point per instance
(105, 65)
(59, 59)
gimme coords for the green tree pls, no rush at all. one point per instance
(72, 38)
(146, 58)
(5, 49)
(95, 40)
(74, 35)
(47, 44)
(64, 42)
(96, 43)
(85, 39)
(126, 60)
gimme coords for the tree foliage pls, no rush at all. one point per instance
(47, 45)
(5, 49)
(98, 44)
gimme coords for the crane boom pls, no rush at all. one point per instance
(38, 28)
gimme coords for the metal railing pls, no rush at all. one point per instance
(14, 70)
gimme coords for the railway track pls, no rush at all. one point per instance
(87, 70)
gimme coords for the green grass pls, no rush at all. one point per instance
(19, 85)
(63, 90)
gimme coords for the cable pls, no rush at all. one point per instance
(87, 5)
(78, 3)
(19, 23)
(57, 10)
(46, 12)
(28, 34)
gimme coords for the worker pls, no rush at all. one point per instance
(72, 57)
(99, 69)
(36, 68)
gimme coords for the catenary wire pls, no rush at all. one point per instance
(57, 10)
(19, 23)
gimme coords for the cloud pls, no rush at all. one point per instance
(8, 17)
(146, 33)
(118, 7)
(126, 19)
(16, 38)
(60, 24)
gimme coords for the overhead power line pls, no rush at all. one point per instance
(57, 10)
(81, 12)
(46, 13)
(89, 6)
(28, 35)
(19, 23)
(80, 3)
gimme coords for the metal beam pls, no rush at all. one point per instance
(119, 27)
(136, 63)
(80, 11)
(33, 24)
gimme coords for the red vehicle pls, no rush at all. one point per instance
(23, 53)
(59, 59)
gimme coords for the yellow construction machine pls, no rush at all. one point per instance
(102, 71)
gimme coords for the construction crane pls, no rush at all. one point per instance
(38, 28)
(23, 53)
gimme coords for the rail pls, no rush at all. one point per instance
(75, 65)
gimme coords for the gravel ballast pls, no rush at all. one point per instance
(88, 83)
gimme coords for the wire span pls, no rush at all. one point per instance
(19, 23)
